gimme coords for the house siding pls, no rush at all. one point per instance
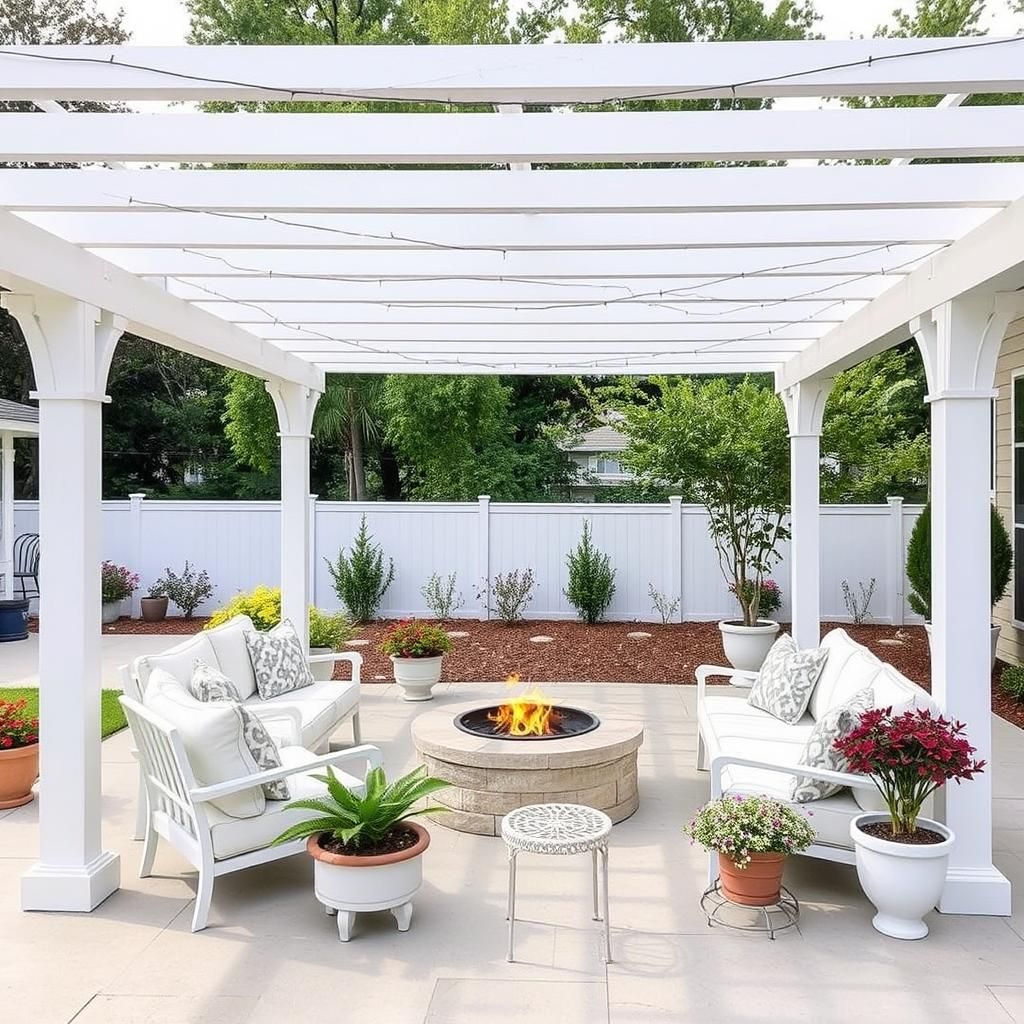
(1010, 364)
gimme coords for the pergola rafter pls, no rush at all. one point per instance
(448, 263)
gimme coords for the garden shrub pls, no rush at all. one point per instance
(262, 605)
(441, 597)
(360, 579)
(187, 590)
(512, 592)
(329, 629)
(1011, 682)
(591, 579)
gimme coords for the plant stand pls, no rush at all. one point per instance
(776, 917)
(346, 918)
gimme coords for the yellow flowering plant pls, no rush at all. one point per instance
(263, 606)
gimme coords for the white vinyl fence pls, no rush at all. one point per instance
(667, 546)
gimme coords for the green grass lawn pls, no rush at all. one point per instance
(111, 716)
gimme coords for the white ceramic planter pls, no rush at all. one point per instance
(993, 632)
(354, 885)
(111, 611)
(416, 676)
(746, 646)
(322, 670)
(903, 881)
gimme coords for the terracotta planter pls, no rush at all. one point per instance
(19, 769)
(154, 609)
(348, 885)
(759, 884)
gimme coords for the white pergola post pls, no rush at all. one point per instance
(71, 344)
(805, 408)
(7, 511)
(960, 343)
(295, 405)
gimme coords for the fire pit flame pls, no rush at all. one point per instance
(530, 715)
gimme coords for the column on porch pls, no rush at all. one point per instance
(959, 343)
(7, 511)
(295, 406)
(805, 409)
(71, 344)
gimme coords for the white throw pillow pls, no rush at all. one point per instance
(820, 751)
(787, 678)
(279, 661)
(214, 740)
(210, 684)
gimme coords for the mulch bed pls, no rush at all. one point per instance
(600, 654)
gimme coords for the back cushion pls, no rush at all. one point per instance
(895, 690)
(228, 641)
(214, 740)
(849, 668)
(177, 661)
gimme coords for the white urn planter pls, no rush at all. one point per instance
(417, 676)
(903, 880)
(994, 631)
(747, 646)
(348, 885)
(321, 670)
(111, 611)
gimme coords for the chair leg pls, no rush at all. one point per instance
(357, 732)
(141, 810)
(607, 924)
(150, 844)
(702, 753)
(510, 955)
(593, 872)
(204, 893)
(712, 868)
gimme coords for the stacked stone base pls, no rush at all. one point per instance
(489, 778)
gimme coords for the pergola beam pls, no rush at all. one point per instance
(990, 256)
(693, 190)
(511, 74)
(32, 259)
(620, 137)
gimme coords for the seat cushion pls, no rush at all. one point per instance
(214, 740)
(232, 836)
(321, 706)
(787, 678)
(228, 642)
(178, 661)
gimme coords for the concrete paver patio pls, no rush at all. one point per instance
(271, 954)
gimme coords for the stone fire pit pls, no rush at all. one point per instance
(491, 776)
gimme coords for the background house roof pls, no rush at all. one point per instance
(18, 419)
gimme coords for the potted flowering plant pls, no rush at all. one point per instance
(902, 857)
(752, 835)
(19, 754)
(118, 583)
(366, 853)
(416, 650)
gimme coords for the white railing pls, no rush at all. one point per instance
(665, 545)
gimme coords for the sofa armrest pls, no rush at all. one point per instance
(705, 671)
(721, 761)
(290, 716)
(353, 657)
(367, 752)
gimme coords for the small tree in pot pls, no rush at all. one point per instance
(416, 650)
(727, 447)
(919, 567)
(902, 857)
(366, 852)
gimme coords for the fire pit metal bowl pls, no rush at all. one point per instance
(492, 774)
(566, 722)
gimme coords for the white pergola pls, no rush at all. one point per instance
(487, 264)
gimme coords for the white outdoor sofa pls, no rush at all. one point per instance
(307, 717)
(749, 752)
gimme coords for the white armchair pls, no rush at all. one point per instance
(184, 813)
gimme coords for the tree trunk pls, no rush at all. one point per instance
(358, 460)
(390, 478)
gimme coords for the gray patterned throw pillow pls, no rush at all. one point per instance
(787, 679)
(820, 751)
(209, 684)
(278, 660)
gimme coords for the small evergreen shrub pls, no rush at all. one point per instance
(188, 590)
(1011, 682)
(919, 561)
(591, 579)
(441, 597)
(512, 592)
(360, 579)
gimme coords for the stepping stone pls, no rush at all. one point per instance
(455, 634)
(382, 678)
(639, 635)
(541, 639)
(892, 642)
(356, 643)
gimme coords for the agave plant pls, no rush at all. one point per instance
(359, 821)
